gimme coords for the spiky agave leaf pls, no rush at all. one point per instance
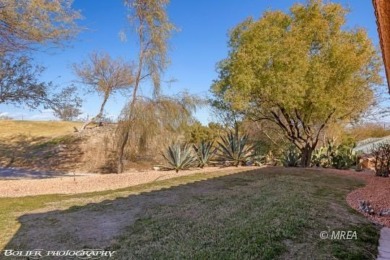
(179, 157)
(291, 157)
(204, 152)
(234, 148)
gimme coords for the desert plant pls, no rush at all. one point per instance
(330, 155)
(291, 157)
(381, 153)
(344, 158)
(204, 152)
(234, 148)
(179, 157)
(320, 157)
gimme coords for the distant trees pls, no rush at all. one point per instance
(300, 70)
(25, 23)
(195, 132)
(105, 76)
(66, 104)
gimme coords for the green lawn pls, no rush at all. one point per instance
(263, 214)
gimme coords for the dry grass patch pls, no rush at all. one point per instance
(12, 128)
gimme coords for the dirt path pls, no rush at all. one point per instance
(69, 184)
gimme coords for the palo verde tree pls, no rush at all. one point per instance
(300, 70)
(105, 76)
(153, 29)
(25, 23)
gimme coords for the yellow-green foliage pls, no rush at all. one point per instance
(301, 70)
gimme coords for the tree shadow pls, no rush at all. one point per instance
(97, 225)
(17, 173)
(40, 153)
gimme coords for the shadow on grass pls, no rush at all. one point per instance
(17, 173)
(43, 153)
(263, 214)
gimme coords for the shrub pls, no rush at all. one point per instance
(343, 158)
(179, 157)
(204, 152)
(381, 154)
(234, 148)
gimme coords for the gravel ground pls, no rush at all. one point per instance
(377, 192)
(81, 183)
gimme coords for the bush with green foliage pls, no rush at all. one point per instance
(204, 151)
(179, 157)
(234, 148)
(344, 158)
(291, 157)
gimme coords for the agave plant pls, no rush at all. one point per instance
(204, 152)
(179, 157)
(234, 148)
(291, 157)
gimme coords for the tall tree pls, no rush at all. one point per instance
(300, 70)
(24, 23)
(153, 29)
(105, 76)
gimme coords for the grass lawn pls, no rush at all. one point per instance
(263, 214)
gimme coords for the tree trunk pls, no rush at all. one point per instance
(124, 140)
(99, 116)
(306, 153)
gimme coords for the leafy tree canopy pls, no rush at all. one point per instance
(300, 70)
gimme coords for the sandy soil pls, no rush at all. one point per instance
(81, 183)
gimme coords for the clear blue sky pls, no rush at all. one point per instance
(195, 49)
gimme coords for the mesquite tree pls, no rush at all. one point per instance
(300, 70)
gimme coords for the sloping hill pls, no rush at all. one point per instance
(48, 145)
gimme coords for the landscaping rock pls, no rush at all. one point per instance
(365, 206)
(384, 212)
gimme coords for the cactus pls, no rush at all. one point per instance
(339, 157)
